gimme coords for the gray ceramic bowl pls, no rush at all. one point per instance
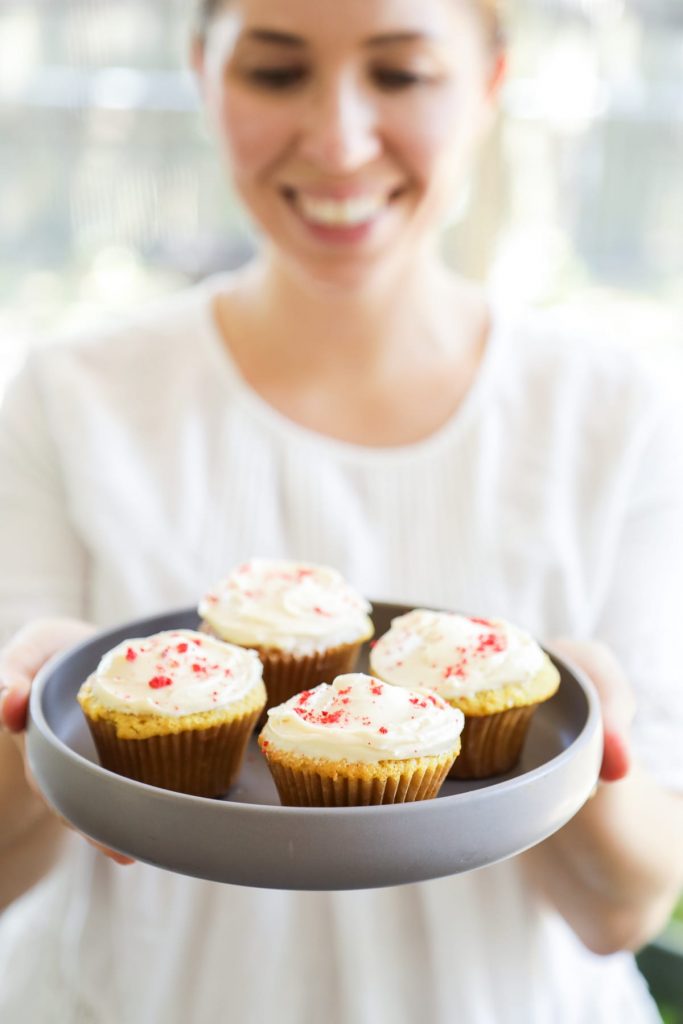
(249, 839)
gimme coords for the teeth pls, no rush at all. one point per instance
(340, 212)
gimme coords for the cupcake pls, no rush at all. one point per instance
(306, 623)
(491, 670)
(174, 710)
(358, 741)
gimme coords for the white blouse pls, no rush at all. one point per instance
(137, 467)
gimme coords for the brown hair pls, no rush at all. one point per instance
(490, 9)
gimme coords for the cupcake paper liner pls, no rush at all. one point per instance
(202, 762)
(311, 787)
(285, 674)
(492, 744)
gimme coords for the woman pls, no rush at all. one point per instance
(346, 399)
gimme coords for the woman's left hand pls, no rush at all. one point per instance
(617, 701)
(614, 870)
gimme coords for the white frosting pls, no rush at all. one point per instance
(175, 673)
(454, 655)
(291, 606)
(359, 719)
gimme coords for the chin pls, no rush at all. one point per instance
(352, 277)
(345, 274)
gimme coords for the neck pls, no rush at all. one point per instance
(315, 325)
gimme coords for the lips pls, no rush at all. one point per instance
(348, 211)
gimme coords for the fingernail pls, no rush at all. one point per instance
(13, 709)
(616, 760)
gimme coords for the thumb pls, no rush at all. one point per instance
(617, 701)
(24, 655)
(14, 705)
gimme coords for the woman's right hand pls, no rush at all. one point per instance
(20, 660)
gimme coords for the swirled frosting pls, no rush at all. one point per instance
(358, 718)
(294, 607)
(174, 673)
(454, 655)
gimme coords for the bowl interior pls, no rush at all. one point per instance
(556, 725)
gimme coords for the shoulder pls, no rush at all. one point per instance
(141, 373)
(569, 373)
(132, 349)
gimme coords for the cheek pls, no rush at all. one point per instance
(252, 135)
(437, 144)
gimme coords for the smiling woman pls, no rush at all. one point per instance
(347, 400)
(347, 137)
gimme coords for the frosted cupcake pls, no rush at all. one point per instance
(491, 670)
(174, 710)
(306, 623)
(359, 741)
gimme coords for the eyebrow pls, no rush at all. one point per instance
(391, 38)
(277, 38)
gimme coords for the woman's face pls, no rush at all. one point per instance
(348, 126)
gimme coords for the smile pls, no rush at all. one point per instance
(348, 212)
(341, 212)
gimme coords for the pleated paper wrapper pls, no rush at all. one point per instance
(492, 744)
(302, 782)
(202, 762)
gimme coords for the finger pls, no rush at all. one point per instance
(33, 645)
(14, 706)
(616, 757)
(24, 655)
(617, 702)
(118, 858)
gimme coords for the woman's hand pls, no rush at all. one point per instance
(615, 870)
(617, 701)
(20, 661)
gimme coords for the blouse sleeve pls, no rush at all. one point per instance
(641, 617)
(42, 560)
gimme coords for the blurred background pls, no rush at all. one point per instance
(110, 193)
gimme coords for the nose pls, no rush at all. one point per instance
(339, 132)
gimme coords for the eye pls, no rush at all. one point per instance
(394, 79)
(277, 78)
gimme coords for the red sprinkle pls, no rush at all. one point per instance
(198, 668)
(130, 654)
(157, 682)
(181, 648)
(382, 730)
(491, 643)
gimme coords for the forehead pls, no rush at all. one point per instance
(348, 19)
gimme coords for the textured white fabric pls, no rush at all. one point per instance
(137, 468)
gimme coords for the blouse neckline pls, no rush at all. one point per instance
(277, 421)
